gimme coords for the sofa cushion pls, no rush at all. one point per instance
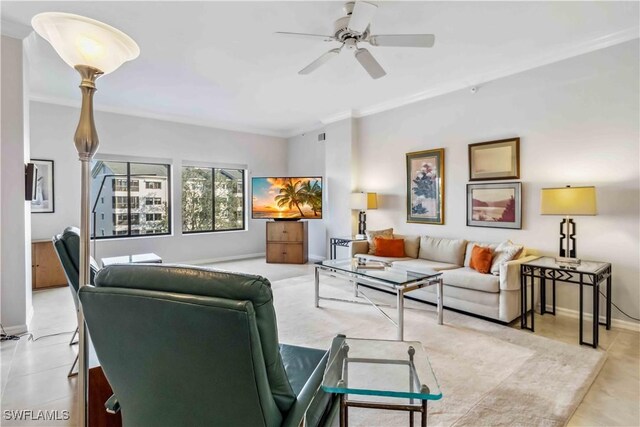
(391, 247)
(411, 244)
(423, 265)
(450, 251)
(505, 252)
(386, 259)
(466, 277)
(470, 245)
(372, 234)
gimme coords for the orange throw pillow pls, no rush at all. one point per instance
(392, 248)
(481, 259)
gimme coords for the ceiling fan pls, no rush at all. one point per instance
(353, 29)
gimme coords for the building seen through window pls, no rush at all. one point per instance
(130, 198)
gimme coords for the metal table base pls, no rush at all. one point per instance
(400, 291)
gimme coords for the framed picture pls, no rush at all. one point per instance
(494, 160)
(43, 200)
(425, 186)
(496, 205)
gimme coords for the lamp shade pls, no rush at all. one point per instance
(359, 201)
(568, 201)
(84, 41)
(364, 201)
(372, 201)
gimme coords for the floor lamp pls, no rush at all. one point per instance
(93, 49)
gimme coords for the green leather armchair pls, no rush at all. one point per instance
(189, 346)
(67, 246)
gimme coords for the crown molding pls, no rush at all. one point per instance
(560, 54)
(212, 124)
(347, 114)
(14, 29)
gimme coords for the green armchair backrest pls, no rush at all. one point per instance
(67, 246)
(167, 334)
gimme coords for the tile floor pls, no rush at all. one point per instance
(33, 374)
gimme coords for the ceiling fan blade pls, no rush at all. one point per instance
(403, 40)
(318, 62)
(370, 64)
(361, 16)
(306, 36)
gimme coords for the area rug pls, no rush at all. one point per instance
(489, 374)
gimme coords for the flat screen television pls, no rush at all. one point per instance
(286, 198)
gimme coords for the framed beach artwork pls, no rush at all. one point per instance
(496, 205)
(425, 186)
(43, 200)
(494, 160)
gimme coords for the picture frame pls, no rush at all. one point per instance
(495, 205)
(494, 160)
(425, 186)
(44, 197)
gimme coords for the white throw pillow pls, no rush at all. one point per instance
(505, 252)
(371, 238)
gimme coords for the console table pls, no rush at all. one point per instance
(587, 273)
(344, 242)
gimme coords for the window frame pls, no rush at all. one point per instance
(213, 168)
(129, 235)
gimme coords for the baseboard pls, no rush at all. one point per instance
(16, 330)
(575, 314)
(223, 259)
(316, 257)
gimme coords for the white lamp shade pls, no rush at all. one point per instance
(568, 201)
(359, 201)
(84, 41)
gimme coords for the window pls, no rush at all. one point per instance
(150, 201)
(212, 199)
(127, 214)
(119, 185)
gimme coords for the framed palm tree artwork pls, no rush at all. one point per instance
(425, 186)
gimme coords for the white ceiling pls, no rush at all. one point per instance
(219, 64)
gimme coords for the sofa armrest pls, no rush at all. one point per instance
(510, 273)
(359, 247)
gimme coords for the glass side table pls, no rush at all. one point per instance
(392, 375)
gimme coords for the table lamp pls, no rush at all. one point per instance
(363, 202)
(568, 201)
(92, 48)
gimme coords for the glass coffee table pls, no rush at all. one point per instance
(380, 374)
(396, 280)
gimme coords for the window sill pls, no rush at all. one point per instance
(200, 233)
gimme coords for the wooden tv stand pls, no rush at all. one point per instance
(287, 242)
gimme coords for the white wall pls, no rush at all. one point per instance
(306, 157)
(52, 129)
(333, 159)
(15, 227)
(578, 121)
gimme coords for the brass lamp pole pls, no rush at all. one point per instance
(93, 49)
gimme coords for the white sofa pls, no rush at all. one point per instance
(465, 289)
